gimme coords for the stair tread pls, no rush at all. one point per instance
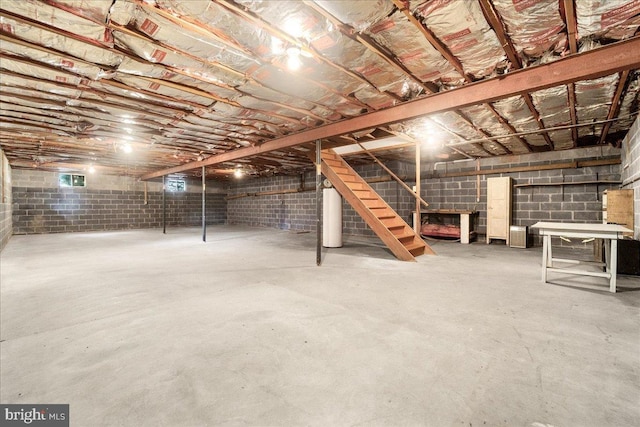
(415, 246)
(405, 236)
(392, 227)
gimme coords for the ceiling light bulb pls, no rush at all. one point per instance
(237, 173)
(92, 169)
(294, 27)
(277, 46)
(127, 148)
(293, 58)
(293, 51)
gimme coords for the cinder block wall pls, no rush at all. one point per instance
(631, 171)
(107, 202)
(570, 203)
(297, 211)
(6, 223)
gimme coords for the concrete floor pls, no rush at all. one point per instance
(137, 328)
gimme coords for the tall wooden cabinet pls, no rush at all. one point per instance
(498, 208)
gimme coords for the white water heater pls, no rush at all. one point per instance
(331, 218)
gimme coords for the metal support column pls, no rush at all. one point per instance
(164, 205)
(204, 206)
(318, 203)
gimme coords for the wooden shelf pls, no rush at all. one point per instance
(547, 184)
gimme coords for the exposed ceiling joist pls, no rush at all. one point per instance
(606, 60)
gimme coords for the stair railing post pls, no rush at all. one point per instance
(394, 176)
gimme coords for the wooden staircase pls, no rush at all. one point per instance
(383, 220)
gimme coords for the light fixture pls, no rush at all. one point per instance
(277, 46)
(127, 148)
(92, 169)
(293, 59)
(237, 173)
(293, 27)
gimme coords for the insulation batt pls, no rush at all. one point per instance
(593, 101)
(264, 73)
(79, 49)
(135, 97)
(207, 48)
(463, 28)
(593, 97)
(70, 64)
(400, 36)
(361, 15)
(14, 84)
(627, 106)
(94, 10)
(515, 110)
(534, 26)
(553, 106)
(162, 89)
(230, 26)
(615, 19)
(302, 22)
(484, 119)
(59, 18)
(40, 72)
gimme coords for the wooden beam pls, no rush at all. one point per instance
(571, 23)
(615, 104)
(616, 57)
(435, 42)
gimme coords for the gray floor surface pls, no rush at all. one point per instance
(137, 328)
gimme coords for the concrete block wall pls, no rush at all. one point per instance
(6, 220)
(106, 203)
(570, 203)
(297, 211)
(631, 171)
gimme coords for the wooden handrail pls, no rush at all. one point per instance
(394, 176)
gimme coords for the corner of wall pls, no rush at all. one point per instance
(6, 196)
(631, 171)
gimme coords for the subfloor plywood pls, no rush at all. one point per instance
(137, 328)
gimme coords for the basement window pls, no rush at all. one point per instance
(72, 180)
(176, 185)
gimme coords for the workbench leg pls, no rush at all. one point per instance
(545, 254)
(607, 255)
(464, 229)
(614, 264)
